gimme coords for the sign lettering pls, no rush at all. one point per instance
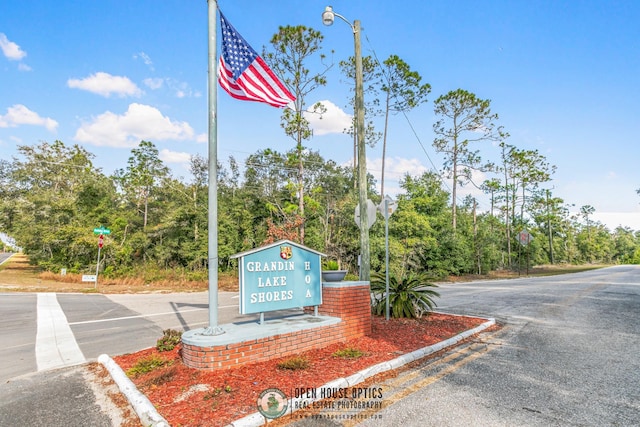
(280, 276)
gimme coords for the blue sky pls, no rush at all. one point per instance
(564, 77)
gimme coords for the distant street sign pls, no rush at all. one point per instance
(100, 241)
(101, 230)
(525, 237)
(390, 204)
(371, 213)
(89, 277)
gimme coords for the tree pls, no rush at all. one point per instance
(294, 47)
(421, 228)
(626, 245)
(9, 196)
(491, 187)
(530, 169)
(547, 212)
(403, 92)
(144, 173)
(464, 119)
(199, 168)
(586, 211)
(58, 198)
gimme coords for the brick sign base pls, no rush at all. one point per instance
(349, 301)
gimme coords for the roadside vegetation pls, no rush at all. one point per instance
(162, 240)
(52, 196)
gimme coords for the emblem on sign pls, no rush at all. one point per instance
(286, 252)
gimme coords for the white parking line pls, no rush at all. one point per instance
(55, 344)
(144, 316)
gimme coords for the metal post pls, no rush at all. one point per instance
(386, 254)
(213, 328)
(95, 284)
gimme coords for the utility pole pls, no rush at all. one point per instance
(328, 17)
(365, 259)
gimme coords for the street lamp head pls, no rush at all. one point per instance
(328, 16)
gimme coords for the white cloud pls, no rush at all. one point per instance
(611, 176)
(179, 157)
(394, 170)
(333, 121)
(153, 83)
(139, 122)
(146, 59)
(395, 167)
(179, 89)
(18, 115)
(105, 84)
(614, 219)
(10, 49)
(182, 89)
(478, 177)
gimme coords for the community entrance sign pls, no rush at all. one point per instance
(279, 276)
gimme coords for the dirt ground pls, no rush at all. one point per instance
(17, 275)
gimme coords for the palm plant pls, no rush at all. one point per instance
(409, 296)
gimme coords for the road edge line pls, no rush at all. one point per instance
(143, 407)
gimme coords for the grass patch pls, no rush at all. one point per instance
(349, 353)
(146, 365)
(162, 377)
(216, 392)
(294, 364)
(169, 340)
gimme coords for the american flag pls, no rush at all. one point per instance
(244, 74)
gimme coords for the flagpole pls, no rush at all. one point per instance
(213, 328)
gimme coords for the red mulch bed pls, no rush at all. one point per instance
(233, 393)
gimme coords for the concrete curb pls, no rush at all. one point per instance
(256, 419)
(140, 403)
(149, 416)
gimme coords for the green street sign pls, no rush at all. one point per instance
(101, 230)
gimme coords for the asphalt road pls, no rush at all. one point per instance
(111, 324)
(4, 256)
(48, 339)
(569, 353)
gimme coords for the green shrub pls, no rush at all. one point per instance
(147, 364)
(330, 265)
(216, 392)
(410, 296)
(162, 377)
(349, 353)
(294, 363)
(169, 340)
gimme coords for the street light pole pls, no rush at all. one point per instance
(328, 16)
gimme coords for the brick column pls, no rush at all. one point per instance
(350, 301)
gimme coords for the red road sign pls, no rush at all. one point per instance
(525, 237)
(100, 241)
